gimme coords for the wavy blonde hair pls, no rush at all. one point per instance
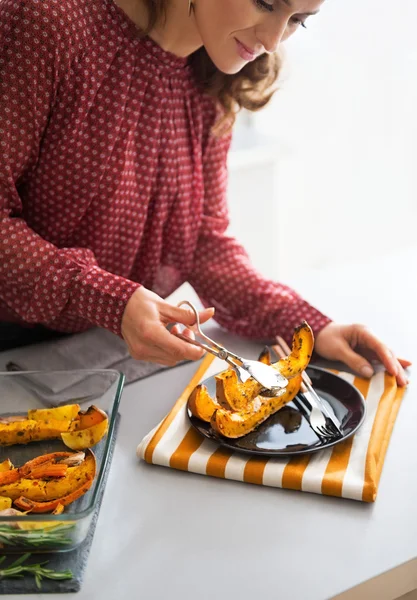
(252, 88)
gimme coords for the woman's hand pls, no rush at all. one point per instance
(144, 329)
(355, 345)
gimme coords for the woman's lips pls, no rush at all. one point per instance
(245, 52)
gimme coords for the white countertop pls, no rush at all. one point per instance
(165, 534)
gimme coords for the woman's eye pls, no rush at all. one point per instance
(264, 5)
(296, 21)
(269, 6)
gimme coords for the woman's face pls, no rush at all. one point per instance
(234, 32)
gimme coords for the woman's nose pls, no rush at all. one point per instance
(272, 32)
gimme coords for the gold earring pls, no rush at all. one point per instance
(190, 7)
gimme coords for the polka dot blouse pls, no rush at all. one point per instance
(111, 178)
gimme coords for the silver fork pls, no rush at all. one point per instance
(309, 394)
(316, 419)
(312, 421)
(324, 428)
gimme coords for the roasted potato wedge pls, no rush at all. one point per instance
(235, 424)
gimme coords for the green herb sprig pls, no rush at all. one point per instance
(36, 538)
(17, 570)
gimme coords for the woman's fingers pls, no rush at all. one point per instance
(404, 363)
(368, 340)
(386, 356)
(174, 347)
(356, 362)
(184, 314)
(186, 332)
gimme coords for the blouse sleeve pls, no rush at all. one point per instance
(246, 303)
(40, 283)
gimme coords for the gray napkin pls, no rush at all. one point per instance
(92, 349)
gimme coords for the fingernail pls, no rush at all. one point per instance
(367, 371)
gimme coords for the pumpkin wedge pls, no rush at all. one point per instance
(5, 503)
(42, 490)
(201, 404)
(236, 424)
(90, 417)
(6, 465)
(233, 394)
(60, 413)
(57, 505)
(53, 423)
(23, 432)
(85, 438)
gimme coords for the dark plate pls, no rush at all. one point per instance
(288, 433)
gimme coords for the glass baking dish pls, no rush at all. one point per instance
(21, 391)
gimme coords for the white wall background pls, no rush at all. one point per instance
(345, 128)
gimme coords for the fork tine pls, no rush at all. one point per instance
(324, 432)
(330, 426)
(333, 432)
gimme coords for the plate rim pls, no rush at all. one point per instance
(283, 454)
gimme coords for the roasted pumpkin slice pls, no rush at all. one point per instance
(57, 505)
(5, 503)
(201, 404)
(235, 424)
(42, 490)
(90, 417)
(231, 394)
(6, 465)
(301, 351)
(85, 438)
(23, 432)
(265, 356)
(61, 413)
(49, 424)
(234, 395)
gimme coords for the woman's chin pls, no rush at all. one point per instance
(228, 66)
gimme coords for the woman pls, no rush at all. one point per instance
(114, 123)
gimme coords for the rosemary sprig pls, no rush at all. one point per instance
(17, 570)
(36, 538)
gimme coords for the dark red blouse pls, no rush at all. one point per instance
(111, 178)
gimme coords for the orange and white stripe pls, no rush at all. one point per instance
(351, 469)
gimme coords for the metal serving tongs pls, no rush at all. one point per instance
(268, 377)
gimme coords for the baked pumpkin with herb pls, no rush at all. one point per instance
(235, 424)
(239, 408)
(60, 476)
(234, 395)
(77, 429)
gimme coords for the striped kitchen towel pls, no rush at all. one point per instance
(351, 469)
